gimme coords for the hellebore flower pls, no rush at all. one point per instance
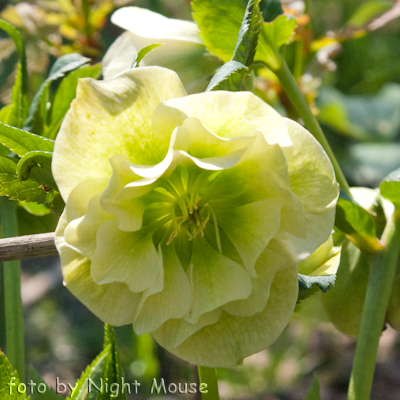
(187, 215)
(182, 51)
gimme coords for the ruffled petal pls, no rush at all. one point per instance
(312, 179)
(169, 297)
(112, 117)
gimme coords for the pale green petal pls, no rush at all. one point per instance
(81, 232)
(229, 115)
(109, 118)
(149, 24)
(253, 304)
(250, 228)
(225, 343)
(169, 299)
(113, 303)
(182, 49)
(216, 280)
(173, 332)
(128, 257)
(312, 179)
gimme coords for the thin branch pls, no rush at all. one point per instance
(25, 247)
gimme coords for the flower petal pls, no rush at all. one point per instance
(312, 179)
(112, 117)
(229, 115)
(250, 228)
(170, 298)
(216, 280)
(225, 343)
(128, 257)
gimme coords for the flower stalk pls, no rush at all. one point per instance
(209, 377)
(310, 121)
(12, 293)
(373, 316)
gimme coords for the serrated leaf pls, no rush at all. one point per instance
(246, 44)
(21, 142)
(270, 9)
(357, 224)
(37, 164)
(48, 394)
(309, 285)
(38, 110)
(314, 392)
(390, 188)
(11, 186)
(16, 112)
(219, 22)
(273, 36)
(7, 377)
(143, 52)
(64, 95)
(230, 76)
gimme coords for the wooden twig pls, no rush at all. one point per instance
(25, 247)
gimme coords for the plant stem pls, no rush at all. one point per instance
(208, 376)
(12, 293)
(299, 101)
(373, 315)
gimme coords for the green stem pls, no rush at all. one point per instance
(373, 315)
(208, 376)
(299, 101)
(12, 293)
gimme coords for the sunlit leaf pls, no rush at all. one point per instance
(37, 118)
(21, 142)
(390, 187)
(142, 53)
(219, 22)
(7, 376)
(229, 77)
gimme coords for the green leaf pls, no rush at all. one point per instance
(142, 53)
(37, 118)
(8, 377)
(219, 22)
(390, 188)
(309, 285)
(11, 186)
(105, 368)
(64, 95)
(230, 76)
(357, 224)
(246, 44)
(45, 392)
(16, 112)
(273, 36)
(313, 393)
(37, 164)
(367, 11)
(270, 9)
(21, 142)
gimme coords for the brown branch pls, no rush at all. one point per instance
(25, 247)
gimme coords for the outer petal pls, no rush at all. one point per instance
(229, 115)
(312, 179)
(182, 49)
(225, 343)
(112, 117)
